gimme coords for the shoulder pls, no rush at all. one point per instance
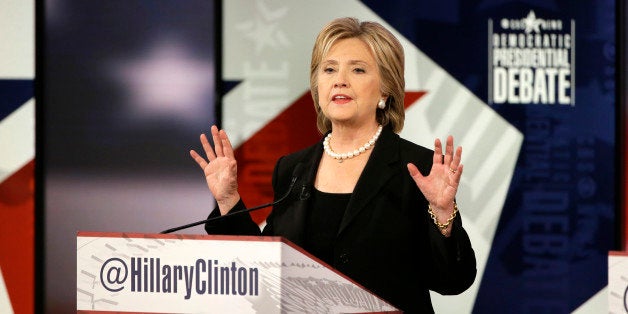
(301, 155)
(307, 158)
(408, 151)
(419, 155)
(412, 148)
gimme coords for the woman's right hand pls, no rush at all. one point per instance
(220, 169)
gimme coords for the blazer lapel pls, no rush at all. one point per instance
(292, 222)
(378, 170)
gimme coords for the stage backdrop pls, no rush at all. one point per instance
(526, 87)
(538, 138)
(17, 153)
(128, 86)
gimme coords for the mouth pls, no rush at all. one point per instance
(341, 99)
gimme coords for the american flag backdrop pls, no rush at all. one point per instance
(17, 153)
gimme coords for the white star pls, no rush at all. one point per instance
(264, 31)
(532, 23)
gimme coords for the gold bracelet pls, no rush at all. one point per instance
(442, 227)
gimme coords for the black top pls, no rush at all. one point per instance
(323, 222)
(386, 240)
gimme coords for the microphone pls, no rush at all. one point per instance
(248, 210)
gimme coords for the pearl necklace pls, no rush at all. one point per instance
(358, 151)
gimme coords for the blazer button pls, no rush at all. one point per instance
(344, 258)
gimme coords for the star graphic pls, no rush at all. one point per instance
(532, 23)
(265, 31)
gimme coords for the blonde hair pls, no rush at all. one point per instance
(388, 54)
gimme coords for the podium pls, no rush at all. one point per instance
(617, 282)
(174, 273)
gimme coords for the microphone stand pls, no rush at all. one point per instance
(248, 210)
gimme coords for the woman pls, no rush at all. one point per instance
(374, 206)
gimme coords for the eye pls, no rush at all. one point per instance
(359, 70)
(328, 70)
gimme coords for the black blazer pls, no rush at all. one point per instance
(387, 241)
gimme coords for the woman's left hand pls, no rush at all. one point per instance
(441, 185)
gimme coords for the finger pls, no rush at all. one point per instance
(415, 174)
(457, 157)
(209, 151)
(458, 174)
(226, 144)
(413, 170)
(199, 160)
(217, 142)
(438, 152)
(449, 150)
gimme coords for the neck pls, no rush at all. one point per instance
(350, 136)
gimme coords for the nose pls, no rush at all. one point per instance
(340, 83)
(341, 80)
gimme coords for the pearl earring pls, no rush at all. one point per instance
(381, 104)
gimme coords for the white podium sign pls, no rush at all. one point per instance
(173, 273)
(617, 282)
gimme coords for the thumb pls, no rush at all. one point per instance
(414, 171)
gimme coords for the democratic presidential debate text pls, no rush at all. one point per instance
(149, 275)
(532, 61)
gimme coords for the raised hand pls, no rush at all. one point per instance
(220, 169)
(441, 185)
